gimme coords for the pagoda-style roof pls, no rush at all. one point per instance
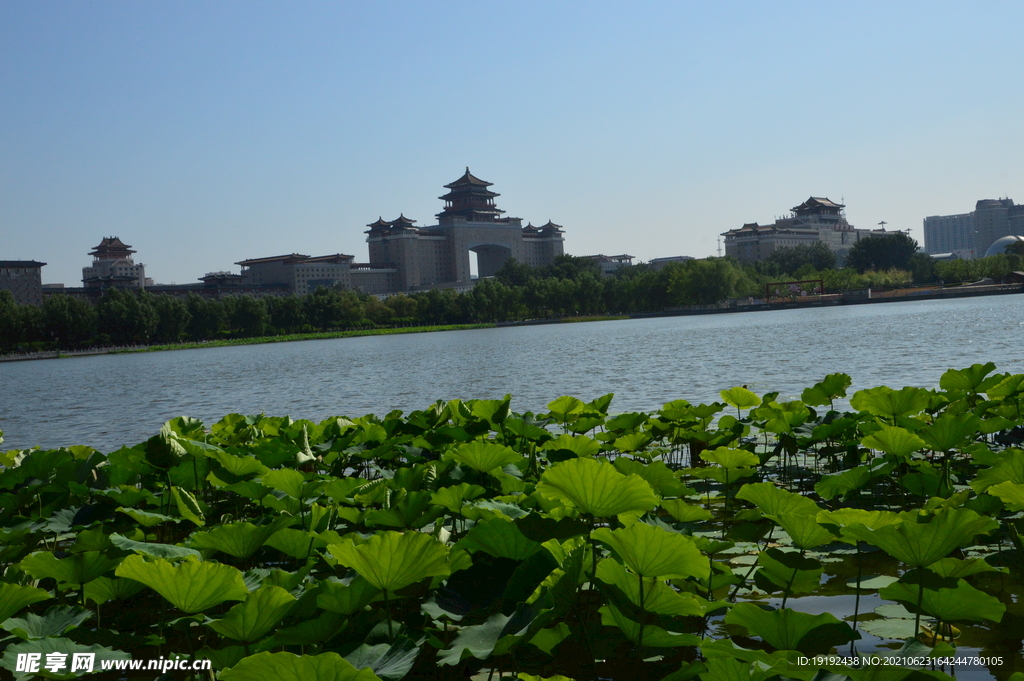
(381, 223)
(111, 245)
(402, 221)
(550, 225)
(816, 203)
(468, 179)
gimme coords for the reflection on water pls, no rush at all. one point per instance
(110, 400)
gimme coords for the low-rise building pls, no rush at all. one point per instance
(23, 278)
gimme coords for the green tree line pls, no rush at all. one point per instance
(570, 286)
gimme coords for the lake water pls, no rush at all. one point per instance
(107, 401)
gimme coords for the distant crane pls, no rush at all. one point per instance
(882, 224)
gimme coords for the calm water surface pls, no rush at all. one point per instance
(111, 400)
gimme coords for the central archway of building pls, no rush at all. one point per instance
(489, 258)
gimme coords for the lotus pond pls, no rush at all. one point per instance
(745, 539)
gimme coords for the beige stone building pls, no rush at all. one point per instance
(113, 267)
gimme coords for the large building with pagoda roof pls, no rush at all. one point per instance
(439, 255)
(113, 267)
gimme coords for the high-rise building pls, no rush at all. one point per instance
(969, 235)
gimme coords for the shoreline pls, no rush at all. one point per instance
(863, 297)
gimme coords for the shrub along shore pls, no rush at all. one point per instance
(569, 544)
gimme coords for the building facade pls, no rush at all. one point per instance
(23, 278)
(816, 219)
(113, 267)
(439, 255)
(969, 235)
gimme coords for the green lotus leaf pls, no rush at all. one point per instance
(483, 640)
(14, 597)
(725, 650)
(596, 488)
(291, 667)
(662, 478)
(1007, 466)
(731, 459)
(1011, 494)
(147, 519)
(103, 589)
(153, 549)
(950, 431)
(898, 442)
(871, 582)
(485, 456)
(77, 569)
(888, 403)
(897, 628)
(389, 662)
(565, 409)
(455, 496)
(948, 599)
(238, 466)
(298, 544)
(580, 445)
(240, 540)
(654, 636)
(653, 552)
(57, 620)
(684, 512)
(843, 517)
(392, 560)
(191, 585)
(920, 540)
(968, 380)
(832, 485)
(499, 538)
(413, 510)
(830, 388)
(787, 571)
(63, 646)
(659, 597)
(632, 442)
(1008, 387)
(774, 501)
(956, 568)
(788, 629)
(547, 640)
(741, 398)
(253, 618)
(346, 597)
(804, 530)
(287, 480)
(188, 507)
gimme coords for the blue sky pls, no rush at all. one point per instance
(206, 133)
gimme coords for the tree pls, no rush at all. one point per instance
(249, 316)
(792, 259)
(126, 316)
(172, 319)
(882, 252)
(68, 321)
(206, 317)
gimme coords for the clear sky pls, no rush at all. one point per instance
(203, 133)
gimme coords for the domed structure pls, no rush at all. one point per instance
(999, 245)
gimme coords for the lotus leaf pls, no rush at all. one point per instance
(146, 518)
(240, 540)
(346, 597)
(653, 552)
(832, 485)
(392, 560)
(844, 517)
(741, 398)
(654, 636)
(948, 599)
(787, 571)
(77, 569)
(454, 497)
(830, 388)
(684, 512)
(239, 466)
(298, 544)
(152, 549)
(188, 507)
(957, 568)
(788, 629)
(632, 442)
(14, 597)
(596, 488)
(662, 478)
(1008, 387)
(920, 541)
(389, 662)
(774, 501)
(1011, 494)
(580, 445)
(103, 589)
(485, 456)
(898, 442)
(565, 409)
(499, 538)
(191, 586)
(57, 620)
(888, 403)
(731, 459)
(480, 640)
(292, 667)
(950, 431)
(970, 380)
(1008, 466)
(253, 619)
(413, 510)
(804, 530)
(286, 480)
(659, 598)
